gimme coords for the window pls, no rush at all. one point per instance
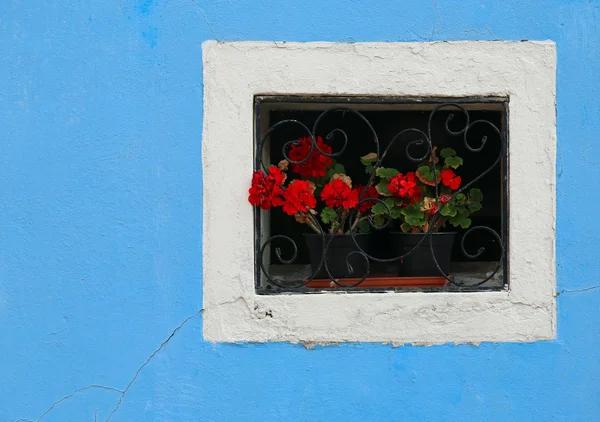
(289, 255)
(249, 86)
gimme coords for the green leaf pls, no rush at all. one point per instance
(475, 195)
(475, 198)
(425, 171)
(396, 213)
(475, 206)
(328, 215)
(379, 209)
(449, 210)
(413, 215)
(460, 208)
(454, 162)
(390, 202)
(368, 159)
(405, 227)
(425, 175)
(369, 169)
(363, 226)
(382, 188)
(378, 220)
(339, 168)
(386, 173)
(460, 197)
(461, 220)
(416, 220)
(447, 152)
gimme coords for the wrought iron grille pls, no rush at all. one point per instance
(276, 254)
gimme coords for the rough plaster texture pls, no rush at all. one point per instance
(522, 71)
(101, 224)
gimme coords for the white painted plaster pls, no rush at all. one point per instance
(235, 72)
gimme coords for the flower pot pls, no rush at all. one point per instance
(341, 260)
(420, 262)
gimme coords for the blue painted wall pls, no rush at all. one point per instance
(101, 223)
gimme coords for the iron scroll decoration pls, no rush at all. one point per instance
(423, 142)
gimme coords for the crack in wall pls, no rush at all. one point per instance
(585, 289)
(137, 373)
(122, 392)
(68, 396)
(210, 27)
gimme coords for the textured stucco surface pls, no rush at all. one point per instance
(235, 72)
(101, 224)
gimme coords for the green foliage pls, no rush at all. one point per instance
(363, 226)
(425, 175)
(461, 219)
(449, 209)
(379, 209)
(454, 162)
(378, 220)
(382, 188)
(447, 152)
(335, 169)
(390, 202)
(475, 195)
(328, 215)
(413, 215)
(475, 198)
(369, 159)
(386, 173)
(426, 172)
(475, 206)
(396, 212)
(405, 227)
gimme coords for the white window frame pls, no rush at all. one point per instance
(234, 72)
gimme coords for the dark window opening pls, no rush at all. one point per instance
(388, 117)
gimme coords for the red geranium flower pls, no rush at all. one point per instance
(432, 209)
(450, 179)
(370, 193)
(405, 187)
(299, 197)
(266, 190)
(338, 194)
(444, 198)
(316, 165)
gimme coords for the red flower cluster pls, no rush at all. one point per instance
(266, 190)
(405, 187)
(433, 209)
(299, 197)
(450, 179)
(338, 194)
(370, 193)
(316, 165)
(444, 198)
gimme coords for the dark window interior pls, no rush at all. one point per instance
(387, 123)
